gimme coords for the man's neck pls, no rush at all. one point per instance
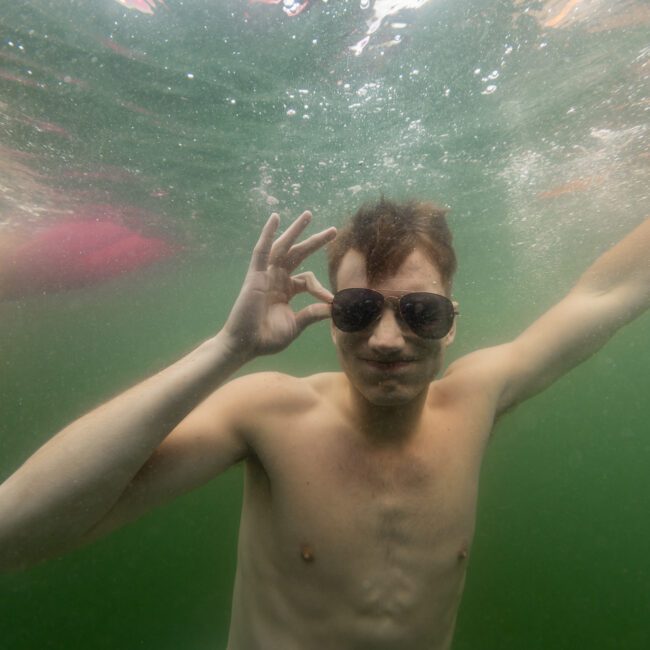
(386, 425)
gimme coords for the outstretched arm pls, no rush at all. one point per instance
(613, 291)
(140, 448)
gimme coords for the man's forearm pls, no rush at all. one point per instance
(75, 478)
(624, 268)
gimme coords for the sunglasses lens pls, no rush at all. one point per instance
(427, 314)
(354, 309)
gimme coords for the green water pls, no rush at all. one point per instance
(188, 114)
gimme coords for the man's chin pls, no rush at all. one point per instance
(390, 395)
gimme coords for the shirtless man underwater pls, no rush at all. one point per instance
(360, 486)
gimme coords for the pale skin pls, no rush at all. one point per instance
(360, 486)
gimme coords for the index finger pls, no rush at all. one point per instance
(301, 251)
(262, 250)
(286, 239)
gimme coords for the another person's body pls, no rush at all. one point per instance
(360, 486)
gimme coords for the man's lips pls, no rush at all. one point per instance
(389, 365)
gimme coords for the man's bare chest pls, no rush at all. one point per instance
(332, 502)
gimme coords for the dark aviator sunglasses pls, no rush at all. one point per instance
(429, 315)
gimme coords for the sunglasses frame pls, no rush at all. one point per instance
(396, 303)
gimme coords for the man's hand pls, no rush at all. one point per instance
(261, 320)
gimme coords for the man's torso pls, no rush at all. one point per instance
(349, 544)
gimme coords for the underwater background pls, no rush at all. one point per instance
(158, 137)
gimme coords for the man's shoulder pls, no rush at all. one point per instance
(278, 390)
(264, 405)
(469, 363)
(475, 374)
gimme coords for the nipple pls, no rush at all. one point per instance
(307, 553)
(462, 554)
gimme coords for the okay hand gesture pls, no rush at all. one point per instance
(261, 320)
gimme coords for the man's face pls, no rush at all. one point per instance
(387, 362)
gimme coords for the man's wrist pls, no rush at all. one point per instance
(230, 349)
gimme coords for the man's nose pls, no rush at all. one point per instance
(387, 333)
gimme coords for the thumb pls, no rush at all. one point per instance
(312, 314)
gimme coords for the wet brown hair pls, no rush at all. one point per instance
(386, 232)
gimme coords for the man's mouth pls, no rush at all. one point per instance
(392, 365)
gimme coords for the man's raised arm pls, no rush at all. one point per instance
(613, 291)
(70, 484)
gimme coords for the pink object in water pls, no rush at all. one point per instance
(144, 6)
(75, 254)
(21, 80)
(45, 127)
